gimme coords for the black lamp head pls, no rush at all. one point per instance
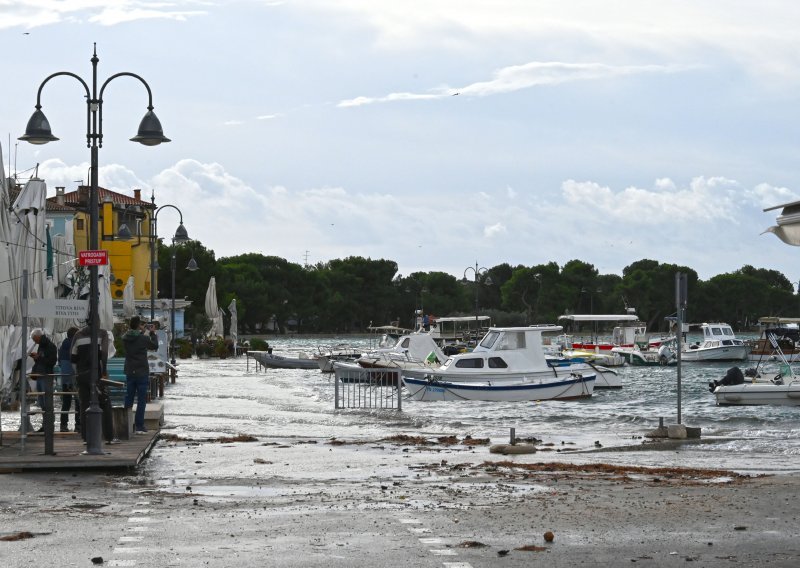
(38, 129)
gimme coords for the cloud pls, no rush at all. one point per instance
(48, 12)
(492, 230)
(519, 77)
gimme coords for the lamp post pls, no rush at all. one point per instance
(477, 272)
(181, 236)
(150, 134)
(191, 266)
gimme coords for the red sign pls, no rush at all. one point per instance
(92, 257)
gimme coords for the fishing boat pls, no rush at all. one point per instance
(660, 357)
(719, 344)
(627, 333)
(301, 361)
(509, 364)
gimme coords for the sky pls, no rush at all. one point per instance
(435, 133)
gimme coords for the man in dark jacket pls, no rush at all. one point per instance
(137, 369)
(81, 356)
(44, 361)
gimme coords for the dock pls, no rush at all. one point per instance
(69, 452)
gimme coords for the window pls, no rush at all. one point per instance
(727, 331)
(727, 342)
(512, 340)
(489, 339)
(79, 224)
(406, 343)
(716, 331)
(471, 363)
(497, 363)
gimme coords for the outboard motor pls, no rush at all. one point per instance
(665, 354)
(734, 376)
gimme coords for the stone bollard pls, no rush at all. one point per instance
(676, 432)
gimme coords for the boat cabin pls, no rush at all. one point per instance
(507, 348)
(717, 335)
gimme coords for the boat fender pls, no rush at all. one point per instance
(506, 449)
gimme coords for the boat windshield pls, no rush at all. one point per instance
(512, 340)
(489, 339)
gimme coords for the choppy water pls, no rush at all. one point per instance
(214, 397)
(223, 397)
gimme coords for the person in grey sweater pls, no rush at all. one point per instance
(137, 368)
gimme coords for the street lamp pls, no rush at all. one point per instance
(487, 280)
(192, 266)
(150, 134)
(181, 236)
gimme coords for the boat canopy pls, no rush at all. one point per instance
(599, 317)
(778, 320)
(459, 319)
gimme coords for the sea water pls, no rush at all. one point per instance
(216, 397)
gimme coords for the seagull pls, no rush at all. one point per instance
(454, 94)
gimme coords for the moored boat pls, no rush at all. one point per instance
(781, 390)
(509, 357)
(302, 361)
(719, 344)
(430, 388)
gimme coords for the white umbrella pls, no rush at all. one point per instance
(9, 302)
(29, 238)
(212, 309)
(234, 323)
(128, 299)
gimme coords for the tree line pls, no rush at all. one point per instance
(348, 295)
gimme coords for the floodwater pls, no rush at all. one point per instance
(228, 397)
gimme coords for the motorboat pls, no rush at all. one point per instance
(509, 363)
(338, 353)
(431, 388)
(782, 389)
(783, 336)
(648, 357)
(301, 361)
(628, 332)
(413, 350)
(719, 344)
(607, 378)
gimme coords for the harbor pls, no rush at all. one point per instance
(257, 466)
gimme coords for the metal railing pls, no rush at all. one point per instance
(368, 388)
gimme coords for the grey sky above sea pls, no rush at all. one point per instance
(434, 133)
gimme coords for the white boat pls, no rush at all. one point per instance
(572, 386)
(719, 344)
(302, 361)
(509, 363)
(628, 332)
(338, 353)
(413, 350)
(781, 390)
(607, 378)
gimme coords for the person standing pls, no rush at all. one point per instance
(44, 361)
(68, 382)
(137, 368)
(81, 357)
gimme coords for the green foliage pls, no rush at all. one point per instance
(258, 344)
(183, 348)
(204, 349)
(347, 295)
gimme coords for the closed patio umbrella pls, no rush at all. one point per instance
(212, 309)
(234, 323)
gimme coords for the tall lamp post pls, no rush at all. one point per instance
(181, 236)
(150, 134)
(191, 266)
(477, 272)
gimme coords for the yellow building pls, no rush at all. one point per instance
(126, 257)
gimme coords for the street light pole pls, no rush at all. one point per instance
(181, 236)
(191, 266)
(150, 134)
(476, 273)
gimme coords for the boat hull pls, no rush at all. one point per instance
(280, 362)
(431, 389)
(758, 393)
(726, 353)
